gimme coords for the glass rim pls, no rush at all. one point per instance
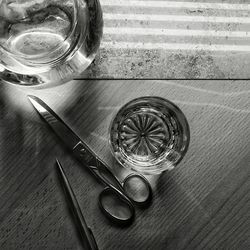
(157, 168)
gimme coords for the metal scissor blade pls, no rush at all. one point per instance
(85, 232)
(55, 122)
(75, 144)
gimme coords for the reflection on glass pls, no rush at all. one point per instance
(149, 135)
(47, 41)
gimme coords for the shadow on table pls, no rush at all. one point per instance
(24, 149)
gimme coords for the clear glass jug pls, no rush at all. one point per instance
(47, 42)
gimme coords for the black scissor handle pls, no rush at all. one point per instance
(135, 186)
(116, 207)
(102, 172)
(112, 200)
(138, 189)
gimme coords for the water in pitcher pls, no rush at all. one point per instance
(55, 40)
(37, 40)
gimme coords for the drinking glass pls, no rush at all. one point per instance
(149, 135)
(45, 42)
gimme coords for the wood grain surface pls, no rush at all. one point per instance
(202, 204)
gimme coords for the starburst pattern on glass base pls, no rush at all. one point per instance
(149, 135)
(144, 134)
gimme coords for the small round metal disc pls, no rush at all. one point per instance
(138, 189)
(115, 207)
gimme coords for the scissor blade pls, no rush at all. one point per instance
(85, 232)
(78, 147)
(55, 122)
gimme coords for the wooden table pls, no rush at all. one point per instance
(202, 204)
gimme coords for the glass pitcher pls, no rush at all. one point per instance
(47, 42)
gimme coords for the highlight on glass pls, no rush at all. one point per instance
(149, 135)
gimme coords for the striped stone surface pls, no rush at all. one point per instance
(174, 39)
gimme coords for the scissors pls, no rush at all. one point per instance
(87, 237)
(117, 200)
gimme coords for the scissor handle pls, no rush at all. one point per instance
(102, 172)
(115, 189)
(138, 189)
(114, 203)
(116, 207)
